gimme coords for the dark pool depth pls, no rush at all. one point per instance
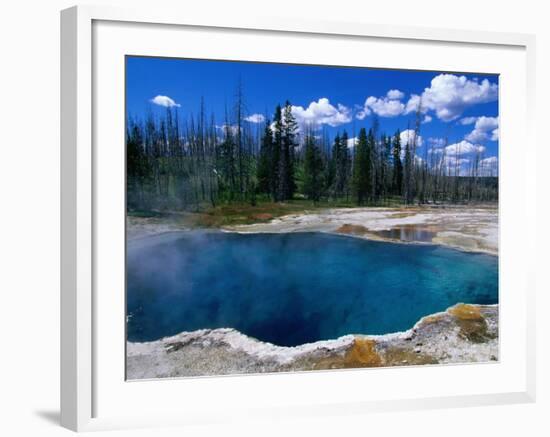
(290, 289)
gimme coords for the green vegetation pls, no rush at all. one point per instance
(241, 213)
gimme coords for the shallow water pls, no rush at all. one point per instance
(408, 233)
(296, 288)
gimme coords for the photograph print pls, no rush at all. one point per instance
(287, 218)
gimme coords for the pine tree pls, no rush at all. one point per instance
(277, 153)
(265, 162)
(313, 170)
(397, 179)
(408, 170)
(239, 110)
(341, 165)
(287, 185)
(372, 160)
(361, 169)
(332, 164)
(385, 165)
(138, 168)
(227, 163)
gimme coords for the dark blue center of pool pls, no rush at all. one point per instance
(290, 289)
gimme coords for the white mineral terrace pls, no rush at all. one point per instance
(465, 228)
(463, 333)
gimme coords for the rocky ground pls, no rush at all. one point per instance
(463, 333)
(462, 227)
(140, 227)
(465, 228)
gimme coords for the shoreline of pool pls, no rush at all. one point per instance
(464, 333)
(471, 230)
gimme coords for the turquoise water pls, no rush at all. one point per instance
(290, 289)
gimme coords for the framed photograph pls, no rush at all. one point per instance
(269, 218)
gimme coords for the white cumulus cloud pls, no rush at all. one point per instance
(395, 95)
(463, 148)
(450, 95)
(407, 137)
(413, 104)
(387, 106)
(467, 120)
(322, 112)
(485, 128)
(255, 118)
(362, 113)
(165, 101)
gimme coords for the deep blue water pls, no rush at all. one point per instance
(290, 289)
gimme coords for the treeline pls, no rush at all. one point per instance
(187, 165)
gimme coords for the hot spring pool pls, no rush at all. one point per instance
(290, 289)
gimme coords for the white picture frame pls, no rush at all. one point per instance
(82, 372)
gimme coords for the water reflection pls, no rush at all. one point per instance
(408, 233)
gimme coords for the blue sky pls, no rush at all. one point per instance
(462, 107)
